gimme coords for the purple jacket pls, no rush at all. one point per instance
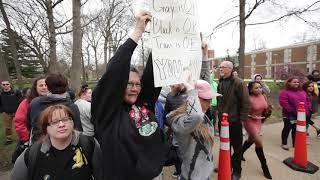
(289, 100)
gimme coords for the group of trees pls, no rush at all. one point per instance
(44, 36)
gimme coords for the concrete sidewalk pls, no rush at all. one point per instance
(251, 169)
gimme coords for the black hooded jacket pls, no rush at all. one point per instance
(126, 153)
(9, 101)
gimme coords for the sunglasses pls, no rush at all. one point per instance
(5, 84)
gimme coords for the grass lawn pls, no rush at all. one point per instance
(5, 151)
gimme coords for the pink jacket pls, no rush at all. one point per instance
(20, 121)
(289, 101)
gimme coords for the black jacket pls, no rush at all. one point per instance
(126, 154)
(9, 101)
(38, 104)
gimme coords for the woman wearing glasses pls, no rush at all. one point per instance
(62, 152)
(84, 104)
(132, 143)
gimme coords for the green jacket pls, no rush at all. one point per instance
(214, 86)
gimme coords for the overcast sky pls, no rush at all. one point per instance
(213, 12)
(272, 35)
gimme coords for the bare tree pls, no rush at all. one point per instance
(117, 16)
(92, 37)
(12, 40)
(76, 45)
(244, 15)
(33, 29)
(4, 74)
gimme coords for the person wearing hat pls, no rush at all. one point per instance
(194, 132)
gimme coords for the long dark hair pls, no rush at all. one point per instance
(34, 92)
(250, 86)
(83, 89)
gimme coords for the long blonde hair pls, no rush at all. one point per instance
(201, 131)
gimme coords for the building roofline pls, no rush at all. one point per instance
(295, 45)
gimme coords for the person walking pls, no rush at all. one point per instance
(62, 153)
(258, 104)
(84, 105)
(122, 110)
(235, 102)
(308, 87)
(289, 99)
(9, 102)
(194, 131)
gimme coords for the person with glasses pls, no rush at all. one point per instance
(122, 110)
(9, 102)
(62, 152)
(84, 104)
(235, 102)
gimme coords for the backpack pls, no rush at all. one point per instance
(87, 143)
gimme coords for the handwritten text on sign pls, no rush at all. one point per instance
(176, 44)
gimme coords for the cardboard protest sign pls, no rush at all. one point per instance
(176, 43)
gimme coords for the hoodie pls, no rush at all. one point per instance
(196, 156)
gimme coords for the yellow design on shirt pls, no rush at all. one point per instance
(78, 159)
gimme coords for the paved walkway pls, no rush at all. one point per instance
(275, 155)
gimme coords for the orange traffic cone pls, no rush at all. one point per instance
(300, 162)
(224, 172)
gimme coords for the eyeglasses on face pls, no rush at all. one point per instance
(5, 84)
(57, 121)
(131, 85)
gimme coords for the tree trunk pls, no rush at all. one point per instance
(242, 41)
(76, 45)
(96, 61)
(4, 73)
(53, 63)
(105, 50)
(84, 77)
(13, 47)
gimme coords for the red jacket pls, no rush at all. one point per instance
(20, 121)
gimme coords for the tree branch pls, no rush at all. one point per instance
(56, 3)
(224, 23)
(254, 8)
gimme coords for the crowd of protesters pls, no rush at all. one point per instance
(128, 129)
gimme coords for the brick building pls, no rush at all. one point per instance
(277, 63)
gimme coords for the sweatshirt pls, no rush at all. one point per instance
(128, 153)
(196, 156)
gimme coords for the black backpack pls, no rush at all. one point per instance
(87, 143)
